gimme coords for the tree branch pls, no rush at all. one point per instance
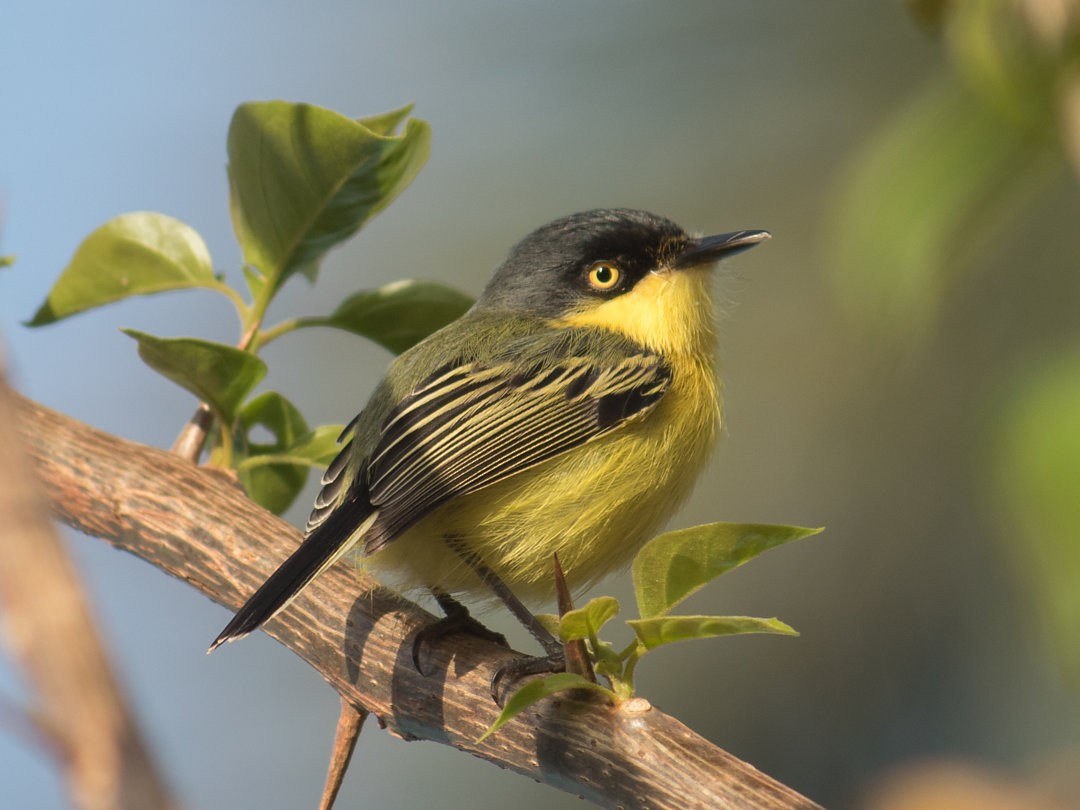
(81, 714)
(197, 525)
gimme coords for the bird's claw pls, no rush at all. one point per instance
(527, 665)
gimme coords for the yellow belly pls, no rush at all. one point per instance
(594, 506)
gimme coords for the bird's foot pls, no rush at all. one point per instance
(554, 661)
(457, 620)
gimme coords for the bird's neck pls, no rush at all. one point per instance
(669, 312)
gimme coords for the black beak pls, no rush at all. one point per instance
(710, 249)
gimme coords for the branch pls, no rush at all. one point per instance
(82, 717)
(197, 525)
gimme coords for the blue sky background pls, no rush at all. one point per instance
(719, 115)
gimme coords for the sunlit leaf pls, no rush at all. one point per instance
(133, 254)
(607, 660)
(386, 123)
(585, 622)
(549, 621)
(303, 179)
(538, 689)
(674, 565)
(1037, 448)
(256, 281)
(653, 633)
(398, 315)
(219, 375)
(272, 484)
(315, 449)
(6, 261)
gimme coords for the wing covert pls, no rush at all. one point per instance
(470, 426)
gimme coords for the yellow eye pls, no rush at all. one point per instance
(603, 276)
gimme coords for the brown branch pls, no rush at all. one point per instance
(350, 722)
(81, 716)
(197, 525)
(189, 443)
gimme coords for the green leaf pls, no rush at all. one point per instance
(398, 315)
(256, 281)
(655, 632)
(219, 375)
(586, 621)
(303, 179)
(674, 565)
(273, 485)
(315, 449)
(134, 254)
(538, 689)
(386, 123)
(608, 661)
(6, 261)
(549, 621)
(274, 412)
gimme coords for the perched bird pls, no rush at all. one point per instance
(569, 411)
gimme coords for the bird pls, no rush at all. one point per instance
(568, 412)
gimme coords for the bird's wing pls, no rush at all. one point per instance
(336, 480)
(465, 427)
(469, 426)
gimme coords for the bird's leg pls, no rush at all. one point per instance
(457, 620)
(554, 659)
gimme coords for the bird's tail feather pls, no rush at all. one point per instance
(319, 550)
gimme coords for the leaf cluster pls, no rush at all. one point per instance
(668, 569)
(302, 180)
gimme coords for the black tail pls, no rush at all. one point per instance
(319, 549)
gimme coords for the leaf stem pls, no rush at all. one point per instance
(253, 339)
(242, 306)
(189, 444)
(625, 687)
(267, 336)
(227, 447)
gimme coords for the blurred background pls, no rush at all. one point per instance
(901, 362)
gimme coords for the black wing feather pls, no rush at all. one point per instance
(318, 550)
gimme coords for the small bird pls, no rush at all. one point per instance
(568, 412)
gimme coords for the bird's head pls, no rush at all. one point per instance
(629, 271)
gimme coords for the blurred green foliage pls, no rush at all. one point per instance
(923, 203)
(1038, 477)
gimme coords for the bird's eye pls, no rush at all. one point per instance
(603, 276)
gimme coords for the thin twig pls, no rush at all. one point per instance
(350, 722)
(189, 443)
